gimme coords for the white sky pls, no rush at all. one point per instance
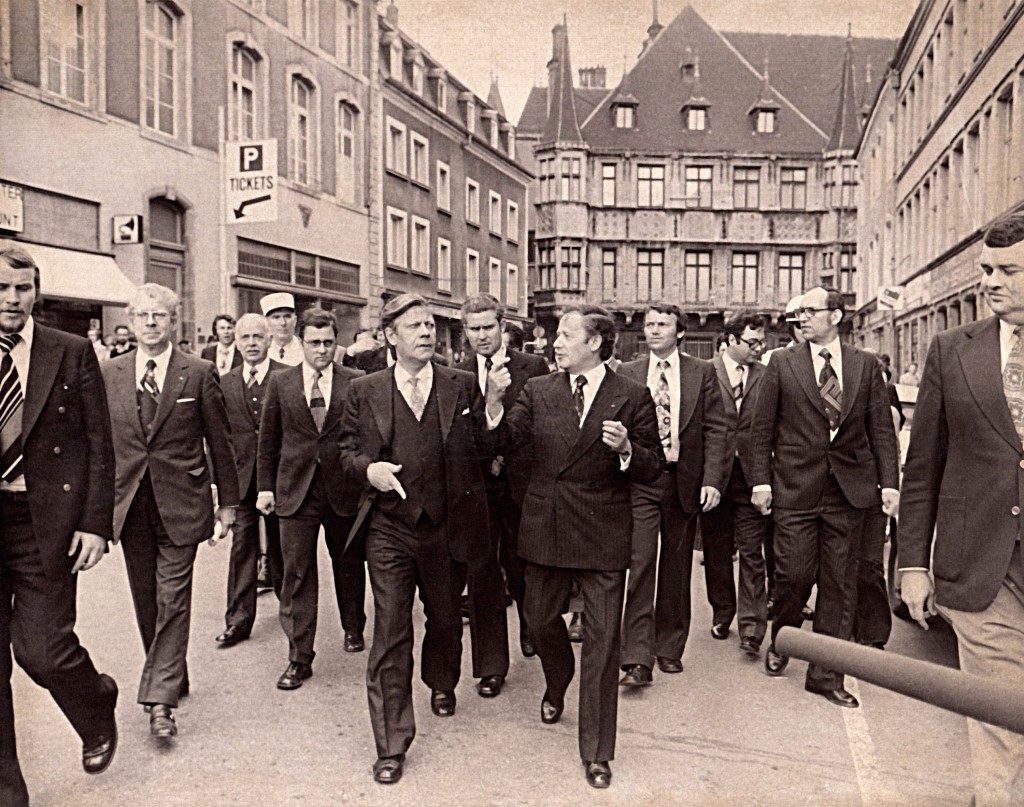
(512, 38)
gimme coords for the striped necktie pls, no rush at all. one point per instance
(737, 390)
(1013, 382)
(11, 399)
(831, 392)
(317, 404)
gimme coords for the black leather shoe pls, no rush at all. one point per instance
(161, 721)
(388, 770)
(490, 686)
(576, 628)
(442, 702)
(263, 581)
(637, 675)
(354, 642)
(550, 712)
(669, 665)
(770, 608)
(526, 645)
(750, 646)
(774, 663)
(294, 675)
(96, 755)
(231, 636)
(720, 631)
(599, 774)
(840, 697)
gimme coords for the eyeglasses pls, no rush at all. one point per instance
(753, 344)
(809, 312)
(316, 344)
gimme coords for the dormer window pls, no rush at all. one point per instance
(766, 121)
(494, 134)
(417, 78)
(442, 94)
(625, 117)
(469, 100)
(696, 117)
(688, 69)
(416, 69)
(395, 66)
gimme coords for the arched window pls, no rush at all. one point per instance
(348, 123)
(243, 112)
(301, 130)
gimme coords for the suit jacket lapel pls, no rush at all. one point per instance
(174, 383)
(980, 359)
(563, 409)
(294, 396)
(608, 401)
(44, 361)
(124, 397)
(803, 366)
(447, 399)
(381, 403)
(853, 372)
(689, 391)
(337, 402)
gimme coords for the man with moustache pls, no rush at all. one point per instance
(279, 309)
(244, 390)
(224, 353)
(121, 344)
(506, 476)
(411, 432)
(591, 434)
(166, 411)
(300, 476)
(56, 505)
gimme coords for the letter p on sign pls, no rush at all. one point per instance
(251, 158)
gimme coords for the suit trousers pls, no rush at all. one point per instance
(873, 621)
(737, 521)
(160, 579)
(245, 556)
(37, 619)
(401, 558)
(548, 589)
(819, 546)
(300, 584)
(991, 644)
(656, 621)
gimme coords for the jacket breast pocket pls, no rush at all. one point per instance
(949, 537)
(197, 472)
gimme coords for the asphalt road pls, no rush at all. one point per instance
(721, 733)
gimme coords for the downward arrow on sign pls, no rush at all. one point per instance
(240, 210)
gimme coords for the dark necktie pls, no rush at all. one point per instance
(11, 399)
(737, 390)
(577, 397)
(317, 404)
(252, 378)
(830, 391)
(488, 364)
(150, 396)
(281, 354)
(1013, 382)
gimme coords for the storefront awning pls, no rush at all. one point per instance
(74, 275)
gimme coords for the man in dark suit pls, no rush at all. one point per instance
(367, 353)
(960, 514)
(821, 445)
(411, 432)
(224, 352)
(692, 431)
(506, 476)
(735, 523)
(56, 506)
(122, 344)
(300, 476)
(591, 433)
(244, 390)
(167, 410)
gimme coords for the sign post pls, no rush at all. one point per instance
(250, 192)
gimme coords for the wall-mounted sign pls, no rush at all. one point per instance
(12, 208)
(251, 173)
(126, 229)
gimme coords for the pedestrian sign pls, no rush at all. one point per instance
(251, 181)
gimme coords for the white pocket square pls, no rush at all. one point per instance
(465, 411)
(184, 400)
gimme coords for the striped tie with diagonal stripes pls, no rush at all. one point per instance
(11, 399)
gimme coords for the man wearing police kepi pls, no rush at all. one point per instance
(279, 309)
(411, 432)
(591, 434)
(960, 515)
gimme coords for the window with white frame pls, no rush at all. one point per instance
(395, 58)
(301, 130)
(398, 237)
(347, 22)
(242, 109)
(765, 121)
(417, 76)
(571, 184)
(744, 277)
(302, 19)
(608, 179)
(609, 272)
(472, 272)
(444, 264)
(624, 117)
(444, 186)
(650, 274)
(494, 277)
(494, 212)
(471, 116)
(570, 269)
(160, 65)
(791, 274)
(419, 168)
(696, 118)
(348, 127)
(472, 201)
(394, 146)
(697, 276)
(66, 44)
(793, 188)
(492, 134)
(419, 252)
(512, 286)
(512, 222)
(442, 95)
(698, 185)
(650, 185)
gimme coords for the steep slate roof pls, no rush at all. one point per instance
(563, 125)
(494, 99)
(846, 129)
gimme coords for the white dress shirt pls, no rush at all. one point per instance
(225, 358)
(737, 373)
(293, 354)
(425, 383)
(160, 371)
(326, 378)
(20, 356)
(672, 376)
(835, 348)
(481, 367)
(1005, 342)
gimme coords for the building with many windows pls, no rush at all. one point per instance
(941, 157)
(719, 174)
(453, 200)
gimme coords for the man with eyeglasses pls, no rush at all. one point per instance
(821, 446)
(299, 476)
(735, 524)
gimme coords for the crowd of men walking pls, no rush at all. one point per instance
(584, 485)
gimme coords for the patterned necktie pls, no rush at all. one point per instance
(281, 354)
(150, 396)
(1013, 381)
(737, 390)
(11, 399)
(317, 404)
(416, 400)
(225, 362)
(830, 391)
(577, 397)
(663, 406)
(252, 378)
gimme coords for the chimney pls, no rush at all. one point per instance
(392, 14)
(556, 53)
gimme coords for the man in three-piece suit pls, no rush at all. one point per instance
(299, 475)
(591, 434)
(56, 506)
(692, 432)
(960, 514)
(506, 476)
(167, 410)
(224, 352)
(735, 522)
(821, 446)
(245, 387)
(411, 432)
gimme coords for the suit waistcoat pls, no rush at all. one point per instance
(254, 397)
(418, 448)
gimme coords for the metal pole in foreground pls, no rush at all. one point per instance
(983, 699)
